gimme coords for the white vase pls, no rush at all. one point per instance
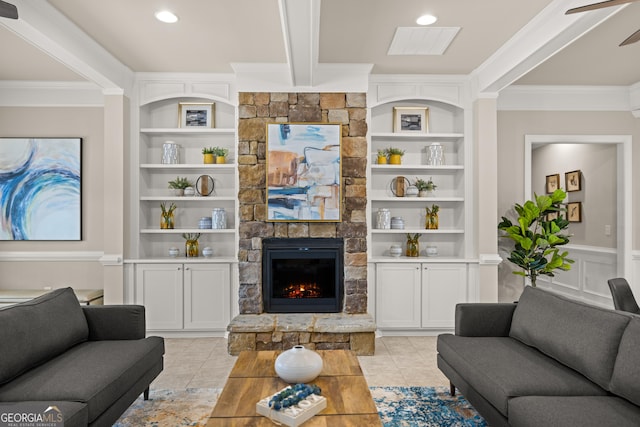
(298, 365)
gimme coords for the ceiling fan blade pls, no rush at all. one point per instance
(7, 10)
(631, 39)
(600, 5)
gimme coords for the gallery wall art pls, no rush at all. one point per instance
(40, 188)
(303, 172)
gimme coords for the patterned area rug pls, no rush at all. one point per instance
(398, 407)
(175, 408)
(424, 407)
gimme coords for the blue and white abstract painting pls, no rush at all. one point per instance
(40, 189)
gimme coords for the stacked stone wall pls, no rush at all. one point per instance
(258, 109)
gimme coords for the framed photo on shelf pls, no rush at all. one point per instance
(572, 181)
(304, 170)
(411, 119)
(196, 114)
(41, 191)
(574, 211)
(552, 183)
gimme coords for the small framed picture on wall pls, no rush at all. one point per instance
(552, 183)
(574, 212)
(572, 180)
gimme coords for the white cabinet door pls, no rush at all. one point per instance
(159, 289)
(207, 289)
(443, 286)
(398, 295)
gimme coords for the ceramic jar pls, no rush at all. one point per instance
(383, 219)
(432, 251)
(170, 153)
(189, 191)
(411, 191)
(397, 223)
(435, 154)
(395, 251)
(298, 365)
(174, 252)
(218, 218)
(207, 251)
(205, 222)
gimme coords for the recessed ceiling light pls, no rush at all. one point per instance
(166, 16)
(426, 20)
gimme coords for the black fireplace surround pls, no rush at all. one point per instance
(302, 275)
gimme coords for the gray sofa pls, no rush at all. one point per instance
(90, 362)
(545, 361)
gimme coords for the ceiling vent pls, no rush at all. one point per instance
(421, 40)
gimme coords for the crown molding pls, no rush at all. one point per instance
(50, 94)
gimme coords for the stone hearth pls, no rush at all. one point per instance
(327, 331)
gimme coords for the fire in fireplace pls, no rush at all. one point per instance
(302, 275)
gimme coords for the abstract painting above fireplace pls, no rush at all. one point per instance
(302, 275)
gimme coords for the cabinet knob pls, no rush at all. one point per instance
(179, 268)
(187, 268)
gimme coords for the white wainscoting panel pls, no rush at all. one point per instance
(587, 279)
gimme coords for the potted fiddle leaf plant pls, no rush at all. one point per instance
(537, 233)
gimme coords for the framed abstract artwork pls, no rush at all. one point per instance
(196, 114)
(304, 172)
(40, 188)
(411, 119)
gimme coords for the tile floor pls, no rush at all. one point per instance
(205, 363)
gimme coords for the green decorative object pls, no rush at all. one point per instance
(413, 245)
(537, 233)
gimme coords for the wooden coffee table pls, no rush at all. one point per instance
(253, 377)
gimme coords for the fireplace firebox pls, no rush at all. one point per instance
(302, 275)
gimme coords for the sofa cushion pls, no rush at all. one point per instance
(94, 372)
(579, 335)
(583, 411)
(500, 368)
(625, 381)
(38, 330)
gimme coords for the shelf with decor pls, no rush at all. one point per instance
(433, 150)
(164, 124)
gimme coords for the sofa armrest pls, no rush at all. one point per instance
(115, 322)
(484, 319)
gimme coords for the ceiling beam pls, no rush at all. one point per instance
(49, 30)
(300, 28)
(545, 35)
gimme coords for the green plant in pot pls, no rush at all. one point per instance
(208, 154)
(179, 184)
(425, 187)
(221, 154)
(382, 156)
(395, 155)
(537, 236)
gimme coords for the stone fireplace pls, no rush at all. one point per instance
(351, 326)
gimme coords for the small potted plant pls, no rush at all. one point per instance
(382, 156)
(208, 155)
(179, 184)
(221, 154)
(425, 188)
(432, 221)
(395, 155)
